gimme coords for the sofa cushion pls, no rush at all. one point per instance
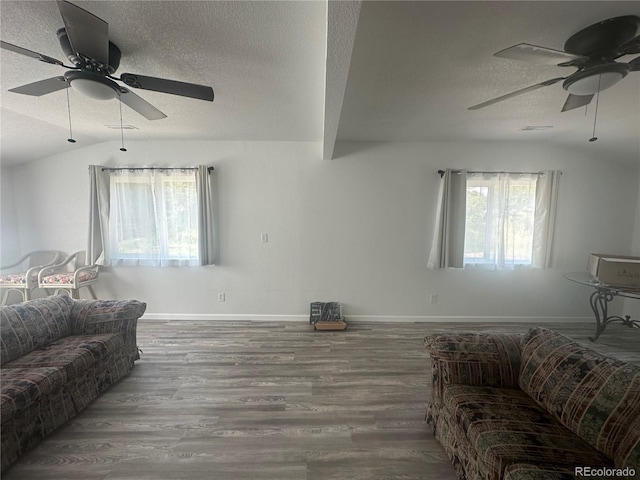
(24, 386)
(34, 324)
(504, 427)
(73, 354)
(595, 396)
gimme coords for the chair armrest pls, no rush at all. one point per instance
(86, 268)
(478, 359)
(46, 271)
(55, 255)
(51, 269)
(20, 261)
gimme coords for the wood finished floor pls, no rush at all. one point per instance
(277, 401)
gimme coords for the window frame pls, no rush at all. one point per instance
(157, 182)
(497, 204)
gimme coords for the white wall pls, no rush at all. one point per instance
(9, 233)
(356, 229)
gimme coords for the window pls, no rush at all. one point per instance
(496, 220)
(499, 221)
(153, 217)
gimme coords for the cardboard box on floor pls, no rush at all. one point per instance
(615, 269)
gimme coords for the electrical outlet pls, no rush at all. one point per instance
(221, 297)
(433, 298)
(264, 237)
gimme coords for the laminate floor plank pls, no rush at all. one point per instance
(274, 400)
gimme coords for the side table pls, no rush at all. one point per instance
(599, 301)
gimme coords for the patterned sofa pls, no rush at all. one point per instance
(534, 406)
(58, 354)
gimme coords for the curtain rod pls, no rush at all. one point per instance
(113, 169)
(441, 172)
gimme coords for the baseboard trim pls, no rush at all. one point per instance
(222, 317)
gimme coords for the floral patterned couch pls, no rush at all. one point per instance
(537, 406)
(58, 354)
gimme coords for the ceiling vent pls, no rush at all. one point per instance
(536, 128)
(122, 127)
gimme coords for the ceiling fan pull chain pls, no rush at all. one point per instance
(70, 139)
(122, 149)
(595, 116)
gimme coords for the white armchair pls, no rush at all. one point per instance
(70, 276)
(22, 276)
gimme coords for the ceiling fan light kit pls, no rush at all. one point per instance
(595, 79)
(92, 85)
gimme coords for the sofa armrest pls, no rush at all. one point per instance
(108, 316)
(478, 359)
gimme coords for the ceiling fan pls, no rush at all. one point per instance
(592, 51)
(85, 41)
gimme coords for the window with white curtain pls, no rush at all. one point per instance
(495, 220)
(153, 218)
(499, 220)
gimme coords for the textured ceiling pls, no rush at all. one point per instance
(299, 71)
(417, 66)
(264, 60)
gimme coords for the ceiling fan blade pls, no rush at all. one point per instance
(635, 64)
(42, 87)
(140, 105)
(191, 90)
(631, 47)
(29, 53)
(88, 34)
(540, 55)
(522, 91)
(576, 101)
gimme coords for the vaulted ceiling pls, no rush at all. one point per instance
(312, 71)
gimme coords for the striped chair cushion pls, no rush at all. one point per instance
(506, 427)
(68, 278)
(595, 396)
(16, 278)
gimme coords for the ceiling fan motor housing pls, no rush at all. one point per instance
(601, 43)
(603, 39)
(88, 63)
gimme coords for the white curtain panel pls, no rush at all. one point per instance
(98, 243)
(545, 218)
(153, 219)
(206, 231)
(447, 247)
(510, 219)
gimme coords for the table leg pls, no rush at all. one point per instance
(599, 302)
